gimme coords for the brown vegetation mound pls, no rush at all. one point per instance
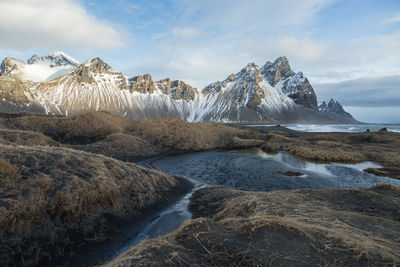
(25, 138)
(54, 200)
(382, 147)
(185, 136)
(84, 128)
(288, 228)
(121, 138)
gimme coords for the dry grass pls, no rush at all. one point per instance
(84, 128)
(271, 147)
(382, 147)
(240, 143)
(122, 138)
(25, 138)
(124, 147)
(324, 154)
(287, 228)
(180, 135)
(8, 171)
(54, 200)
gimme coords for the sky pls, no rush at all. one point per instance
(348, 49)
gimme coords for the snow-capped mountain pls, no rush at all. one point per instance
(245, 96)
(335, 111)
(272, 93)
(295, 85)
(39, 69)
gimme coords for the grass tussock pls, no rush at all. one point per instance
(271, 147)
(8, 171)
(55, 200)
(290, 228)
(382, 147)
(322, 154)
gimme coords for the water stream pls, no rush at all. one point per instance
(252, 170)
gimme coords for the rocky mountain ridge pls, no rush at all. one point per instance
(335, 111)
(295, 85)
(270, 93)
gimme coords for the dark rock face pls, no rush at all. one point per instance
(294, 85)
(181, 90)
(274, 72)
(142, 84)
(9, 65)
(335, 111)
(178, 90)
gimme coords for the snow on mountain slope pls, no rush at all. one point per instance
(335, 111)
(39, 69)
(245, 96)
(294, 85)
(93, 85)
(96, 86)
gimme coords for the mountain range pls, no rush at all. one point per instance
(58, 84)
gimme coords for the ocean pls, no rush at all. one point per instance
(351, 128)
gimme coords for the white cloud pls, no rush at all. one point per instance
(304, 49)
(373, 56)
(211, 39)
(363, 92)
(295, 49)
(375, 114)
(49, 24)
(394, 19)
(254, 13)
(185, 32)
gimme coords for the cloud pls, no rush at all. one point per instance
(303, 49)
(253, 14)
(48, 24)
(207, 40)
(372, 56)
(185, 32)
(363, 92)
(394, 19)
(375, 114)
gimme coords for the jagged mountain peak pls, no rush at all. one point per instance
(96, 64)
(277, 70)
(251, 94)
(335, 111)
(332, 106)
(95, 71)
(54, 59)
(248, 90)
(142, 84)
(250, 67)
(38, 68)
(282, 60)
(10, 65)
(177, 89)
(280, 75)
